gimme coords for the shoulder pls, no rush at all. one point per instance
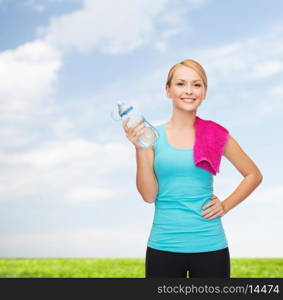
(220, 127)
(214, 125)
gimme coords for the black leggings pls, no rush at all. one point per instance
(212, 264)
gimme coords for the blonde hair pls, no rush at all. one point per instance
(190, 63)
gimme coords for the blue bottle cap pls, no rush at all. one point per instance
(124, 109)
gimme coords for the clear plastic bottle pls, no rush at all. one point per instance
(124, 111)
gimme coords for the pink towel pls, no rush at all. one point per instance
(209, 146)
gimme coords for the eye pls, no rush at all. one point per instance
(197, 84)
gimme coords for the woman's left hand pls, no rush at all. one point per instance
(215, 209)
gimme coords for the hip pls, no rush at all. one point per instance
(186, 239)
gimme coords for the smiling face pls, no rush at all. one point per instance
(186, 83)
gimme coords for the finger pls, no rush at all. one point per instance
(208, 204)
(136, 134)
(140, 127)
(215, 216)
(125, 124)
(217, 210)
(206, 212)
(215, 207)
(136, 124)
(140, 132)
(213, 212)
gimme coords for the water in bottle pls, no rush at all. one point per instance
(123, 111)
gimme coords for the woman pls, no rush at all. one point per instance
(187, 233)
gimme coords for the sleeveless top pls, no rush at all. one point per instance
(183, 189)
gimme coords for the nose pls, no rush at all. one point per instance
(189, 89)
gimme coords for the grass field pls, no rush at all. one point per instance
(120, 267)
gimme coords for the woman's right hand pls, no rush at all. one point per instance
(134, 132)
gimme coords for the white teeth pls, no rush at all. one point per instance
(188, 100)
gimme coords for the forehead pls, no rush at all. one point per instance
(185, 73)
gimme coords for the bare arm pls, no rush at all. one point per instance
(146, 180)
(243, 163)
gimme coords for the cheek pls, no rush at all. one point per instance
(200, 93)
(179, 90)
(176, 92)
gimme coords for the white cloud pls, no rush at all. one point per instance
(76, 168)
(111, 26)
(63, 152)
(63, 127)
(14, 137)
(272, 104)
(254, 58)
(115, 27)
(246, 241)
(81, 195)
(266, 69)
(76, 242)
(269, 195)
(161, 45)
(27, 75)
(255, 240)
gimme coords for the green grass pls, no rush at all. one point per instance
(120, 267)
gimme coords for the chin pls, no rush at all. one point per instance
(188, 107)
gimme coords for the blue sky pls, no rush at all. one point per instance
(67, 181)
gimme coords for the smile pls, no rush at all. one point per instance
(188, 100)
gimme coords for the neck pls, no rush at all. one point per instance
(182, 120)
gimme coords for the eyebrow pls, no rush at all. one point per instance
(192, 80)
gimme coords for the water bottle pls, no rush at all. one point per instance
(124, 111)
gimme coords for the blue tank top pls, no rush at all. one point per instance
(183, 189)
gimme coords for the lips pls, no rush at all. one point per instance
(188, 100)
